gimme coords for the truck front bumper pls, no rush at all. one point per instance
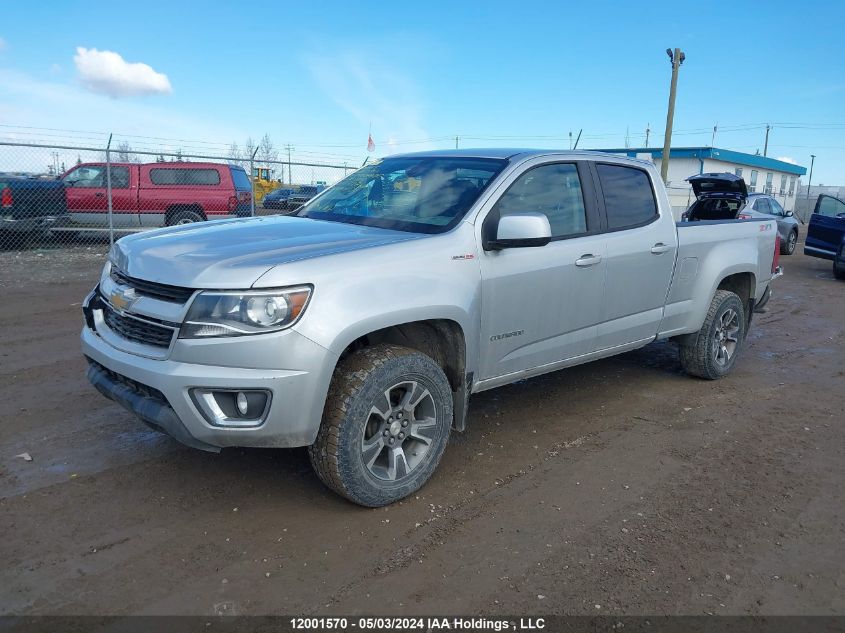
(168, 394)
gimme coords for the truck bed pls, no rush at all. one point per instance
(703, 248)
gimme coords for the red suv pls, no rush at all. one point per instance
(156, 194)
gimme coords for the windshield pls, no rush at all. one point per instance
(420, 195)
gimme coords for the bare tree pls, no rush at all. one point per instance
(249, 148)
(124, 153)
(235, 156)
(266, 150)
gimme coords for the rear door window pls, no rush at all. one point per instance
(628, 196)
(184, 176)
(762, 205)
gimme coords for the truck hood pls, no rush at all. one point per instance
(719, 184)
(233, 254)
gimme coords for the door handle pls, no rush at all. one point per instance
(588, 260)
(659, 248)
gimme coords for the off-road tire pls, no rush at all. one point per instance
(787, 247)
(184, 217)
(359, 380)
(699, 357)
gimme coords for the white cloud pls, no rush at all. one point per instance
(36, 103)
(787, 159)
(106, 72)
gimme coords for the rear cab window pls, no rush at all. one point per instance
(628, 196)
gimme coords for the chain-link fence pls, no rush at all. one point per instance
(54, 196)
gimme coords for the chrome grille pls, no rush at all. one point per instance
(137, 330)
(162, 292)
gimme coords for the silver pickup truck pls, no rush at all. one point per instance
(360, 326)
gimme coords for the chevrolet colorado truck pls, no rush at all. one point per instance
(361, 326)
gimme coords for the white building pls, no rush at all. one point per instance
(761, 174)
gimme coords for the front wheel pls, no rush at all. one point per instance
(839, 271)
(716, 347)
(385, 425)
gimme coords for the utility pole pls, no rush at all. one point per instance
(810, 179)
(289, 149)
(766, 146)
(254, 177)
(647, 132)
(677, 58)
(570, 139)
(456, 142)
(713, 136)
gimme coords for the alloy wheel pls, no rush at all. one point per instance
(399, 432)
(726, 337)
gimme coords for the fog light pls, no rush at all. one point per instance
(232, 407)
(243, 404)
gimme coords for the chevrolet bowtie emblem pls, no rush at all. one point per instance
(122, 298)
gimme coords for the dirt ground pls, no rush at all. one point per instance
(620, 487)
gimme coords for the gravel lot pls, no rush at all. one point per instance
(620, 487)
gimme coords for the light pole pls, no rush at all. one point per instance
(677, 58)
(810, 179)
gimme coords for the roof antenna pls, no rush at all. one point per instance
(578, 139)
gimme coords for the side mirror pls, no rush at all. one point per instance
(522, 230)
(789, 214)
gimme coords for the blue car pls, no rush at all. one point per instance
(277, 199)
(826, 233)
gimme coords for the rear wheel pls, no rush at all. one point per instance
(385, 426)
(839, 271)
(788, 247)
(716, 347)
(184, 217)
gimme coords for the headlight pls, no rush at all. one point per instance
(219, 313)
(106, 272)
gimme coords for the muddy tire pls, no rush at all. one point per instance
(385, 426)
(714, 351)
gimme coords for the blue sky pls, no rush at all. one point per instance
(494, 73)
